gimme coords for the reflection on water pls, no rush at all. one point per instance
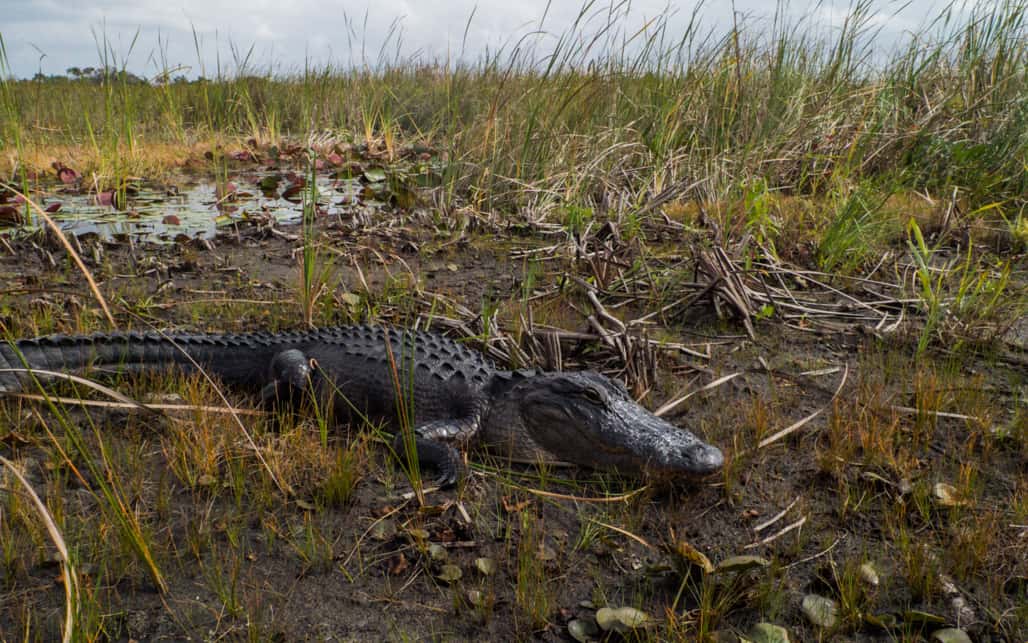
(165, 214)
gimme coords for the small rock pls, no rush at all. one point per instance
(437, 552)
(583, 630)
(545, 552)
(383, 530)
(820, 611)
(621, 619)
(768, 633)
(947, 495)
(449, 573)
(869, 574)
(485, 566)
(418, 534)
(950, 635)
(351, 299)
(741, 564)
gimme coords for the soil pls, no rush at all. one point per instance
(563, 554)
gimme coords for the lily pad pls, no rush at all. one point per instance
(269, 183)
(10, 216)
(67, 175)
(374, 175)
(821, 611)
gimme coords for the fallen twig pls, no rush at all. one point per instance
(778, 534)
(771, 439)
(70, 578)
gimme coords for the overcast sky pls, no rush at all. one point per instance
(53, 35)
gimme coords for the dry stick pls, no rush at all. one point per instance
(601, 499)
(367, 531)
(704, 291)
(125, 400)
(794, 427)
(941, 414)
(70, 579)
(778, 534)
(134, 405)
(674, 404)
(812, 557)
(71, 251)
(781, 514)
(623, 532)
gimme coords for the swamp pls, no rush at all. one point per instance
(810, 251)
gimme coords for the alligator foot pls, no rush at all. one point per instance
(290, 379)
(442, 457)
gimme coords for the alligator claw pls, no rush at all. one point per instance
(442, 457)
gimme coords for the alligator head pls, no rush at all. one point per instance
(588, 419)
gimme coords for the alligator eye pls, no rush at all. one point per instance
(593, 395)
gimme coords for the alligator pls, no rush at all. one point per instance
(456, 395)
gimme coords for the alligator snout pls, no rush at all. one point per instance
(703, 459)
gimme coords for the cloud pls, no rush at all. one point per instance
(284, 35)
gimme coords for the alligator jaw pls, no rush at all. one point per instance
(587, 419)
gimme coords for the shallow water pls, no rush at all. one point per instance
(190, 208)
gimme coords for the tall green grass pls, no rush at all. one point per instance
(607, 108)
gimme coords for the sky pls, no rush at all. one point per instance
(148, 36)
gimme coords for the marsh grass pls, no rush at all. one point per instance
(605, 113)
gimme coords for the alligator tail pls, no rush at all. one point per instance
(118, 352)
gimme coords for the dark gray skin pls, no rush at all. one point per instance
(458, 396)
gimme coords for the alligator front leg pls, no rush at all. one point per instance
(290, 378)
(434, 448)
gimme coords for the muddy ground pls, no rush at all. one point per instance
(244, 560)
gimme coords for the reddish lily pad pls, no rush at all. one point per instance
(67, 175)
(293, 192)
(10, 216)
(53, 207)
